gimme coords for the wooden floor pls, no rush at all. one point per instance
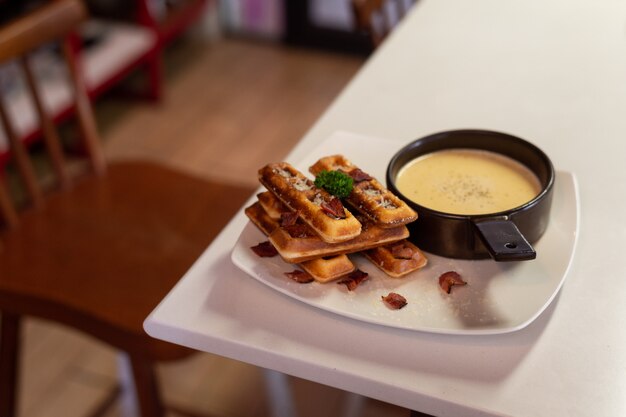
(235, 108)
(230, 107)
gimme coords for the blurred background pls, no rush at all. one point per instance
(216, 89)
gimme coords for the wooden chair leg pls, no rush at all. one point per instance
(353, 405)
(9, 363)
(147, 388)
(279, 391)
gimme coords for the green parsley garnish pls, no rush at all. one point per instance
(337, 183)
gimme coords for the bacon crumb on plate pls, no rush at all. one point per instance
(300, 277)
(354, 279)
(394, 300)
(265, 250)
(449, 279)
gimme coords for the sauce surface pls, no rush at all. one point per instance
(467, 181)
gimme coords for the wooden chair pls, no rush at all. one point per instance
(377, 18)
(99, 250)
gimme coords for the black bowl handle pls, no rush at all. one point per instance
(503, 240)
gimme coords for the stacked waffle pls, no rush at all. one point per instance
(310, 227)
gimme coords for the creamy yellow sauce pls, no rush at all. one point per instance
(467, 181)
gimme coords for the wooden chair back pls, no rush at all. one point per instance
(377, 18)
(52, 22)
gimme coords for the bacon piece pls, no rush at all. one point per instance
(299, 230)
(300, 277)
(354, 279)
(394, 300)
(449, 279)
(289, 218)
(358, 175)
(401, 251)
(334, 209)
(265, 250)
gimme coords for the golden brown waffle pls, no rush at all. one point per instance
(397, 259)
(328, 268)
(316, 240)
(272, 205)
(298, 244)
(299, 193)
(368, 196)
(322, 269)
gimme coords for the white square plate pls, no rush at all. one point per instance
(499, 297)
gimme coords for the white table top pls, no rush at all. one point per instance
(552, 72)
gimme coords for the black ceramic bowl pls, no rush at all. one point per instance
(505, 235)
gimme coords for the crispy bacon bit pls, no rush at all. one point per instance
(300, 277)
(358, 175)
(394, 300)
(354, 279)
(449, 279)
(401, 251)
(334, 209)
(298, 231)
(289, 218)
(265, 250)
